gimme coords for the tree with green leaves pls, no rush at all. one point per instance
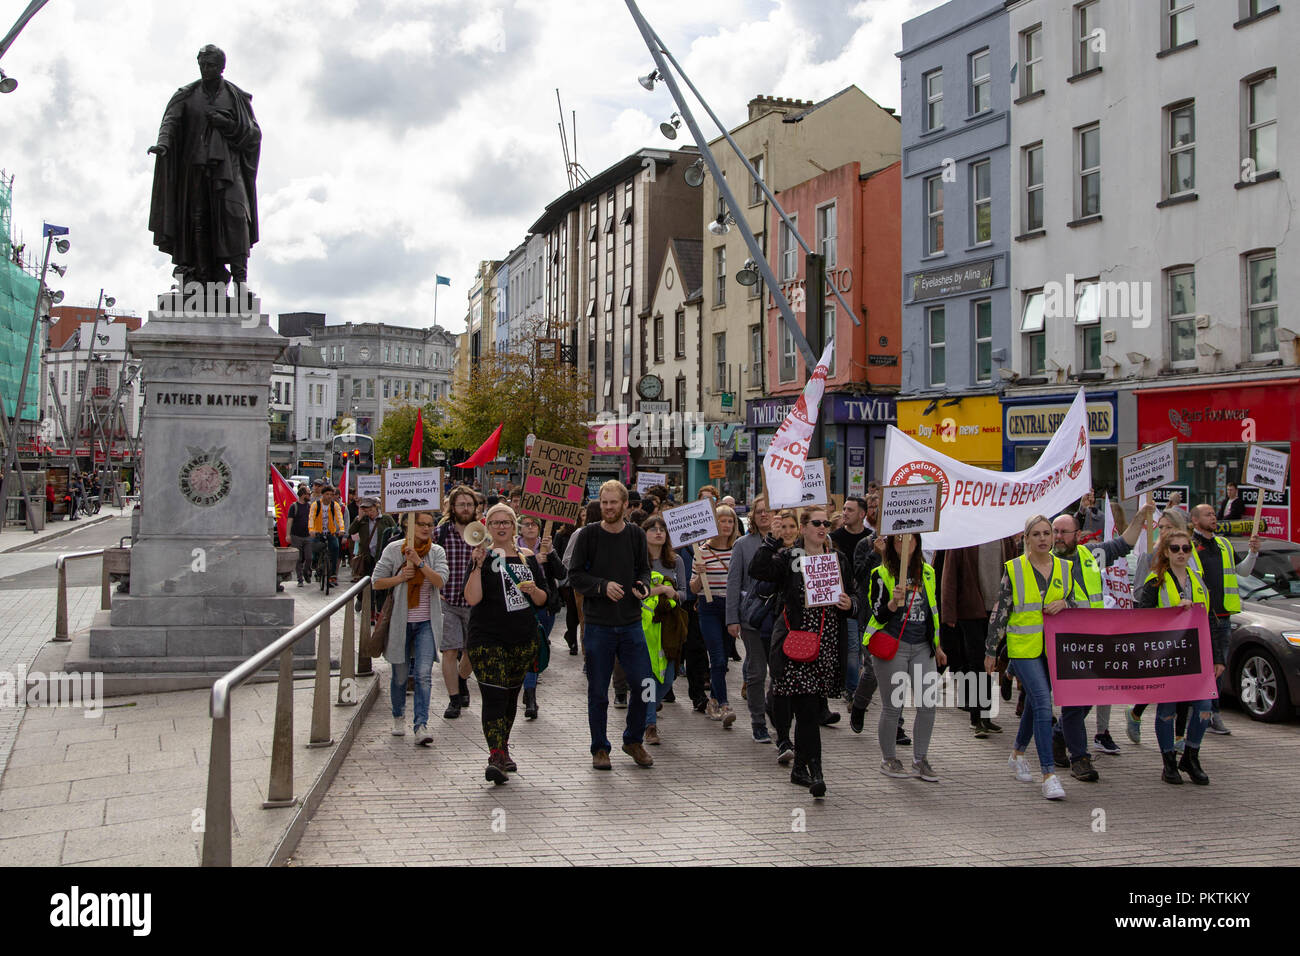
(394, 438)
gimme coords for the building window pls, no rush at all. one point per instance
(65, 382)
(756, 191)
(679, 333)
(417, 357)
(755, 356)
(829, 318)
(1087, 319)
(1261, 123)
(827, 234)
(981, 87)
(720, 276)
(288, 393)
(1261, 281)
(981, 203)
(1035, 337)
(1181, 309)
(720, 361)
(933, 99)
(680, 390)
(1033, 173)
(1088, 147)
(1086, 24)
(356, 388)
(1253, 8)
(370, 388)
(756, 289)
(1180, 22)
(387, 355)
(659, 338)
(387, 388)
(937, 338)
(984, 340)
(789, 250)
(81, 381)
(1031, 61)
(786, 340)
(343, 353)
(1181, 120)
(933, 215)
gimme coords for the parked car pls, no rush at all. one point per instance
(1264, 651)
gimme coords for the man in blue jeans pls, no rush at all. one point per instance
(610, 568)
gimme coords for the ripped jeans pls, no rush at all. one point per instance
(1196, 723)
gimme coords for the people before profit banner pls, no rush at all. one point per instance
(784, 462)
(977, 505)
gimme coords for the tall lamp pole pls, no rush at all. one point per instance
(11, 449)
(81, 405)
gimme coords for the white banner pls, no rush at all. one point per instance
(1116, 582)
(979, 505)
(785, 458)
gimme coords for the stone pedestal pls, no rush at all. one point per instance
(203, 567)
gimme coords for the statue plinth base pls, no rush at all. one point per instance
(203, 567)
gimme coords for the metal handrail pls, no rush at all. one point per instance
(217, 821)
(61, 605)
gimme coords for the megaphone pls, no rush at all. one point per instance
(475, 534)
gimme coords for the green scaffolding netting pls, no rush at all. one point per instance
(17, 312)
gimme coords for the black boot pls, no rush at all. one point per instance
(464, 692)
(816, 785)
(1170, 773)
(530, 703)
(1191, 762)
(799, 774)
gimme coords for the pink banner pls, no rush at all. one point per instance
(1129, 657)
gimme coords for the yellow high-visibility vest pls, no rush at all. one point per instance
(1025, 624)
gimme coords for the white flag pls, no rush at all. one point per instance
(978, 505)
(786, 456)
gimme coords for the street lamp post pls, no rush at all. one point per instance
(106, 302)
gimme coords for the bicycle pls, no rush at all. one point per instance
(90, 505)
(324, 565)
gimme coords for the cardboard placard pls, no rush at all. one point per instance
(645, 480)
(822, 584)
(691, 523)
(412, 489)
(717, 468)
(1148, 468)
(909, 509)
(370, 486)
(813, 489)
(555, 482)
(1265, 468)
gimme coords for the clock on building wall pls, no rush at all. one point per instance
(364, 354)
(650, 387)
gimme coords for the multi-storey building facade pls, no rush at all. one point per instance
(956, 228)
(1150, 209)
(380, 366)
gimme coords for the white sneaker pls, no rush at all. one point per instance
(1052, 788)
(399, 726)
(1020, 767)
(422, 736)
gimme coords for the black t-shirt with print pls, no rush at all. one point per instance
(505, 616)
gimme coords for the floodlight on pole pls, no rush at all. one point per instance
(722, 225)
(670, 128)
(648, 81)
(63, 246)
(109, 301)
(748, 276)
(7, 83)
(694, 174)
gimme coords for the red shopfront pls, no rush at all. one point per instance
(1212, 424)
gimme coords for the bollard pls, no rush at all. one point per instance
(320, 705)
(367, 610)
(61, 601)
(347, 676)
(280, 791)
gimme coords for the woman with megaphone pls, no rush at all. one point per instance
(505, 589)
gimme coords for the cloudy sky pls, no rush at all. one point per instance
(401, 138)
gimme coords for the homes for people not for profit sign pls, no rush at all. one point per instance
(909, 509)
(412, 489)
(1147, 469)
(691, 523)
(1146, 656)
(555, 482)
(822, 584)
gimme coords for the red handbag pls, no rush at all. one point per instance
(803, 646)
(883, 645)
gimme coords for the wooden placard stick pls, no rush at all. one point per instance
(704, 577)
(905, 562)
(1259, 507)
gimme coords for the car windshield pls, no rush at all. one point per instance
(1276, 574)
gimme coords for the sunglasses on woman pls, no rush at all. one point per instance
(819, 524)
(1184, 548)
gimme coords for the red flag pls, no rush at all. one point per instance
(343, 489)
(284, 497)
(417, 440)
(487, 451)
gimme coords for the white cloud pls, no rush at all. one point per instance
(402, 138)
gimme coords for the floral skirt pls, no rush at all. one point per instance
(820, 677)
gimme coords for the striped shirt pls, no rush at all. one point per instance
(421, 611)
(716, 564)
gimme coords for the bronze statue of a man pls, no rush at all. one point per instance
(204, 208)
